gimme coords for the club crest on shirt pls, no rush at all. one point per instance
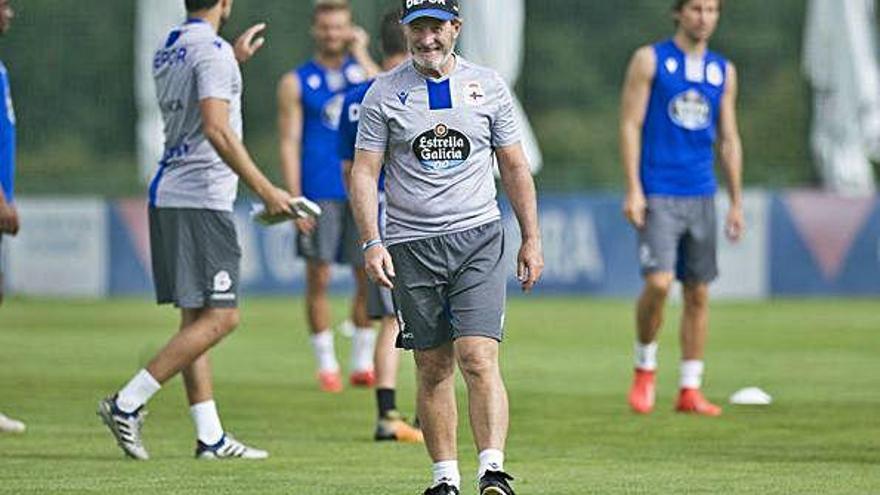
(474, 94)
(690, 110)
(441, 148)
(671, 65)
(314, 81)
(714, 74)
(355, 74)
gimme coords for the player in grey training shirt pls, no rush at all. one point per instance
(194, 246)
(436, 122)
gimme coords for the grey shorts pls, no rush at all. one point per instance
(379, 301)
(195, 256)
(335, 238)
(680, 235)
(450, 286)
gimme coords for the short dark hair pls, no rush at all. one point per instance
(680, 4)
(391, 34)
(197, 5)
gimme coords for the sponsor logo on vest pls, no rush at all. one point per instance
(442, 148)
(690, 110)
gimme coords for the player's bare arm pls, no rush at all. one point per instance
(520, 187)
(215, 126)
(290, 129)
(365, 204)
(731, 156)
(633, 106)
(359, 49)
(8, 216)
(347, 166)
(248, 44)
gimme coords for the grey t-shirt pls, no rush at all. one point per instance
(438, 137)
(194, 64)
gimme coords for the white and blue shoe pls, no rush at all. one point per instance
(228, 448)
(9, 425)
(125, 427)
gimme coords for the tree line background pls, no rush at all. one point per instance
(71, 68)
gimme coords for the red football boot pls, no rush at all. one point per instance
(691, 400)
(642, 393)
(330, 381)
(363, 378)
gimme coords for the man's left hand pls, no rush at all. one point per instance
(735, 226)
(246, 46)
(530, 264)
(360, 40)
(8, 219)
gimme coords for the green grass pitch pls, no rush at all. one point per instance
(567, 364)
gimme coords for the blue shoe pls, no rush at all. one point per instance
(228, 448)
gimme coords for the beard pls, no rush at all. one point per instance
(435, 65)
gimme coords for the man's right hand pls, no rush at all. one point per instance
(305, 226)
(634, 207)
(277, 202)
(379, 267)
(8, 219)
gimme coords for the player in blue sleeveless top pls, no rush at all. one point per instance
(309, 104)
(679, 106)
(8, 213)
(390, 424)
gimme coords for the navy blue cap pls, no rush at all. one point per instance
(445, 10)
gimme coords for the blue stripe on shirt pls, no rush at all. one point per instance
(439, 95)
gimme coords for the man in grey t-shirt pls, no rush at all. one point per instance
(436, 123)
(194, 246)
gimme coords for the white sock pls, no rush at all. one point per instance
(490, 460)
(446, 472)
(207, 421)
(646, 356)
(691, 374)
(363, 345)
(137, 392)
(325, 354)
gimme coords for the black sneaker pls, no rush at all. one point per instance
(442, 489)
(495, 483)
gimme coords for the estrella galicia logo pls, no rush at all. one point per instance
(691, 110)
(441, 148)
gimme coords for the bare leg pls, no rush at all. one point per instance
(359, 315)
(649, 311)
(436, 401)
(487, 398)
(208, 328)
(317, 303)
(695, 321)
(386, 356)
